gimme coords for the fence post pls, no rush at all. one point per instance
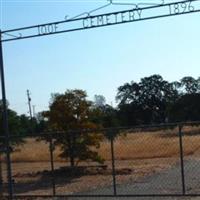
(113, 164)
(5, 123)
(1, 177)
(181, 159)
(51, 148)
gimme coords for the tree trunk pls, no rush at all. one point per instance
(71, 150)
(72, 161)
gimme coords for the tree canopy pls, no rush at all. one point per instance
(153, 99)
(70, 111)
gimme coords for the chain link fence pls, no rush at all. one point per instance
(144, 160)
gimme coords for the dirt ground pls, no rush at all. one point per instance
(136, 156)
(37, 180)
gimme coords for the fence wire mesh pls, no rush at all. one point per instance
(147, 160)
(145, 157)
(191, 149)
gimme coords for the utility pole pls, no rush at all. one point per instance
(29, 104)
(5, 123)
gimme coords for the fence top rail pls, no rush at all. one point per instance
(54, 134)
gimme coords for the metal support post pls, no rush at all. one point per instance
(181, 159)
(51, 148)
(5, 123)
(113, 165)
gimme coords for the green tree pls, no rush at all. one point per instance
(70, 111)
(15, 126)
(41, 123)
(103, 114)
(146, 101)
(25, 124)
(15, 129)
(190, 84)
(186, 108)
(128, 93)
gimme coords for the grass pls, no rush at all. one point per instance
(129, 146)
(144, 153)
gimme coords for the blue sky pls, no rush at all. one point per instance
(98, 60)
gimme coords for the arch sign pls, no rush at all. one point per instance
(85, 21)
(107, 19)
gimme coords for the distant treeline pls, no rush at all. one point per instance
(150, 101)
(155, 100)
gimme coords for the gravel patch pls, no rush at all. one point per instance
(164, 182)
